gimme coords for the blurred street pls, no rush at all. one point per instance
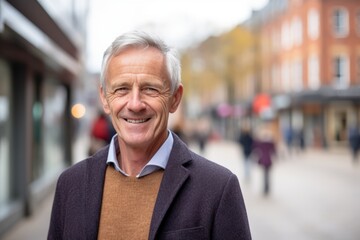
(314, 195)
(267, 70)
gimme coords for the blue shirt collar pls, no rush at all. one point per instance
(158, 161)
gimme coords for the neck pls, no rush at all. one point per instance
(133, 159)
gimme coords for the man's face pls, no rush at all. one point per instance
(138, 97)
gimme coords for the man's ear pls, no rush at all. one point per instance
(104, 102)
(176, 98)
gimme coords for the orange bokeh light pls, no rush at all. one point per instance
(78, 110)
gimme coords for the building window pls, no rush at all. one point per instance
(285, 76)
(296, 31)
(296, 76)
(313, 24)
(340, 22)
(313, 72)
(275, 41)
(357, 22)
(275, 78)
(285, 36)
(341, 72)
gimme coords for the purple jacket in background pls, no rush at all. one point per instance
(265, 151)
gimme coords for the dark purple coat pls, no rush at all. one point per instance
(265, 151)
(198, 199)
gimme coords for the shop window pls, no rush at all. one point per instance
(5, 126)
(37, 143)
(48, 114)
(340, 126)
(53, 134)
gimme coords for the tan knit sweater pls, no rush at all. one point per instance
(127, 205)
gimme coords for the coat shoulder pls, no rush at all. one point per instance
(204, 167)
(85, 167)
(196, 163)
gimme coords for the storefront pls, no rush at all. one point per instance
(37, 77)
(325, 116)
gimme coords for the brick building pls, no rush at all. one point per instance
(310, 65)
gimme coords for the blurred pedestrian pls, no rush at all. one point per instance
(354, 142)
(147, 184)
(202, 132)
(299, 140)
(288, 136)
(99, 132)
(246, 142)
(265, 150)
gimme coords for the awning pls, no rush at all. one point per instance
(326, 94)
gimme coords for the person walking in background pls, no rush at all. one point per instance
(354, 142)
(101, 132)
(246, 142)
(146, 184)
(265, 150)
(202, 132)
(288, 136)
(299, 140)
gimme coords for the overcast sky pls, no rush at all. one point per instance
(180, 23)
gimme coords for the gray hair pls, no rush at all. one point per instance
(140, 39)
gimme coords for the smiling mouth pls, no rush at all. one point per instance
(137, 121)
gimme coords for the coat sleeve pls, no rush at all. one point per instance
(56, 220)
(231, 220)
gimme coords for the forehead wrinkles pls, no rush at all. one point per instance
(137, 79)
(138, 61)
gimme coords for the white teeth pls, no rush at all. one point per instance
(136, 121)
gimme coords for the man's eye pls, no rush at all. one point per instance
(121, 90)
(151, 90)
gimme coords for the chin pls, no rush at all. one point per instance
(137, 141)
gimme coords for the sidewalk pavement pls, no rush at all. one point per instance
(314, 195)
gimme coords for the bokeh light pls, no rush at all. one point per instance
(78, 110)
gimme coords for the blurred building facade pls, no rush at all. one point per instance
(300, 71)
(220, 78)
(310, 66)
(42, 46)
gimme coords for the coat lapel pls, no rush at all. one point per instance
(174, 177)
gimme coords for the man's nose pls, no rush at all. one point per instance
(136, 103)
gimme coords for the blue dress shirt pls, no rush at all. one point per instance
(158, 161)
